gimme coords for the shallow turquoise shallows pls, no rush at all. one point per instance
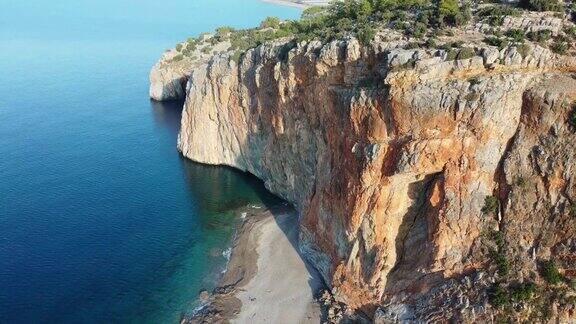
(101, 220)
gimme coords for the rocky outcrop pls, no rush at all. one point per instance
(170, 74)
(168, 78)
(389, 155)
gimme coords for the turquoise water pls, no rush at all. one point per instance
(101, 220)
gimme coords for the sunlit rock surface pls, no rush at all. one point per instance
(389, 155)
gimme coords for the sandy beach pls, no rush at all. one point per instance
(267, 281)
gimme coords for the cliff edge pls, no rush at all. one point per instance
(433, 182)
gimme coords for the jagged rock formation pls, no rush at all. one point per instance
(389, 154)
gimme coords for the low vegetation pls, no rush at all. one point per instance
(497, 253)
(512, 295)
(421, 21)
(498, 296)
(550, 273)
(516, 36)
(491, 205)
(497, 41)
(541, 5)
(358, 18)
(521, 181)
(572, 117)
(541, 36)
(560, 45)
(501, 295)
(495, 15)
(523, 291)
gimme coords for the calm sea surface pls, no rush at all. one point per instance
(101, 220)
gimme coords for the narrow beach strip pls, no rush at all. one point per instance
(266, 281)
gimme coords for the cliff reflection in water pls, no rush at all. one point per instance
(168, 115)
(216, 190)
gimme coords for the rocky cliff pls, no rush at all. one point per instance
(402, 162)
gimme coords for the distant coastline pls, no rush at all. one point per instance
(288, 3)
(299, 3)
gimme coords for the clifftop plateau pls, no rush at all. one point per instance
(432, 163)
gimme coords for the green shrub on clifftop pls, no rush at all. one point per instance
(466, 53)
(450, 12)
(270, 22)
(495, 14)
(541, 5)
(363, 18)
(496, 41)
(516, 35)
(540, 36)
(359, 18)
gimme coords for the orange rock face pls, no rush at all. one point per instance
(389, 166)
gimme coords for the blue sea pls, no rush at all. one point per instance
(101, 219)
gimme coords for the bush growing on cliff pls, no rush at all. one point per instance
(523, 292)
(270, 22)
(540, 36)
(498, 238)
(356, 18)
(418, 30)
(366, 34)
(559, 46)
(570, 31)
(572, 117)
(236, 56)
(498, 296)
(516, 35)
(491, 205)
(550, 273)
(498, 253)
(524, 50)
(495, 14)
(189, 49)
(496, 41)
(224, 31)
(541, 5)
(450, 12)
(466, 53)
(206, 49)
(501, 262)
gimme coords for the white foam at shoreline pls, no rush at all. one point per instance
(226, 253)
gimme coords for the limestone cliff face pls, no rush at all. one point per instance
(389, 155)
